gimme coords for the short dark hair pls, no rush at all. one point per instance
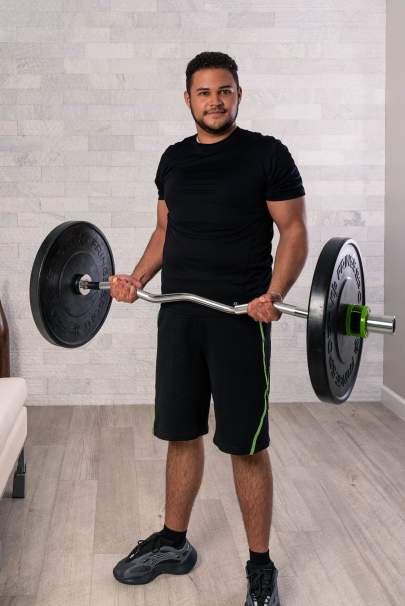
(211, 59)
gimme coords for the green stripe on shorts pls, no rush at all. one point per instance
(266, 392)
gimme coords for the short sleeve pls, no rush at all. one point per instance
(161, 174)
(283, 180)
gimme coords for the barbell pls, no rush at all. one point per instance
(70, 301)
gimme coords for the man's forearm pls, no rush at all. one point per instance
(292, 251)
(151, 260)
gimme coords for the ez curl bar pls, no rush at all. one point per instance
(69, 297)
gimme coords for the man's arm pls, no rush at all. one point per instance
(151, 260)
(123, 287)
(292, 249)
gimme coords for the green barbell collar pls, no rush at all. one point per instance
(356, 321)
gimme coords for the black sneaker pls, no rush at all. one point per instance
(152, 557)
(262, 585)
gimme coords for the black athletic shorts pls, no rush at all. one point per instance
(225, 355)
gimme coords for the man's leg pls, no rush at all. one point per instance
(184, 472)
(254, 487)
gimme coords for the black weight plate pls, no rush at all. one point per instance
(333, 357)
(63, 317)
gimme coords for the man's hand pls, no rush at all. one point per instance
(262, 309)
(123, 287)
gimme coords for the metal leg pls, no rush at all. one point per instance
(19, 478)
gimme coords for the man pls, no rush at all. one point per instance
(219, 194)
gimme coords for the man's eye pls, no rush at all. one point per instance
(206, 92)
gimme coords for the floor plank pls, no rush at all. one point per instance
(25, 535)
(66, 571)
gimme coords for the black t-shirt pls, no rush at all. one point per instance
(219, 229)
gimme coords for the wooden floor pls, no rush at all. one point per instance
(96, 486)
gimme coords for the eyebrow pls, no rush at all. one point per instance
(224, 86)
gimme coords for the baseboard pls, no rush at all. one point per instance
(393, 401)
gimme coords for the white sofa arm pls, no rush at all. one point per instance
(13, 428)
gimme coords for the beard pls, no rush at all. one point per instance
(219, 130)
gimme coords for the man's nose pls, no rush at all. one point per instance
(216, 100)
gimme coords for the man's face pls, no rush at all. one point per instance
(213, 99)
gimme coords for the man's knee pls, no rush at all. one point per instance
(257, 456)
(193, 442)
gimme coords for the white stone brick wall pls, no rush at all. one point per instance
(91, 93)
